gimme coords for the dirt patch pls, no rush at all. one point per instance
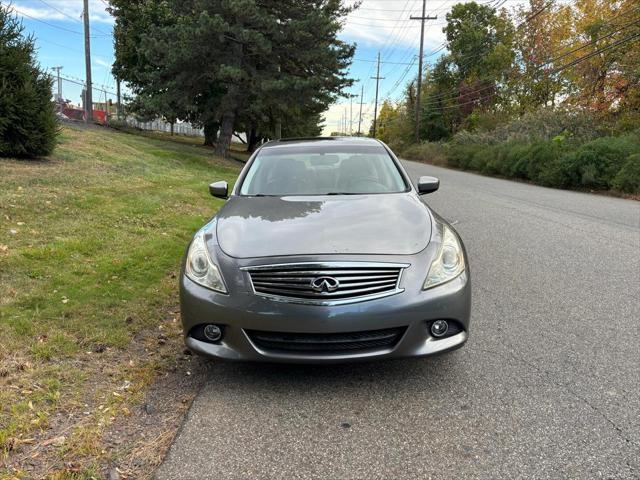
(140, 442)
(126, 434)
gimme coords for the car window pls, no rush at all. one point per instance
(326, 170)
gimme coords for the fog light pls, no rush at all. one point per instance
(439, 328)
(212, 333)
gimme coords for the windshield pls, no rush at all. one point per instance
(322, 170)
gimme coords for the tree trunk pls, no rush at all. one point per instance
(211, 133)
(252, 139)
(171, 128)
(226, 132)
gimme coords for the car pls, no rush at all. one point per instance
(325, 251)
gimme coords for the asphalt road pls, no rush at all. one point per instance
(547, 387)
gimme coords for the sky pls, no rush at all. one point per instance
(377, 26)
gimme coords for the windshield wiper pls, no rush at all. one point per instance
(342, 193)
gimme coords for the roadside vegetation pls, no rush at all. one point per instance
(90, 243)
(553, 149)
(548, 92)
(27, 119)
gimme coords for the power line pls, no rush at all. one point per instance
(382, 61)
(70, 16)
(13, 8)
(451, 94)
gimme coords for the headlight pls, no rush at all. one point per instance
(449, 263)
(200, 268)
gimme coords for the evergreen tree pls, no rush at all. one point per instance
(28, 126)
(246, 64)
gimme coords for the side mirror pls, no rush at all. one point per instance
(428, 184)
(219, 189)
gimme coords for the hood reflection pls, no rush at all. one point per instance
(272, 209)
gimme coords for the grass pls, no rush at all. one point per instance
(90, 244)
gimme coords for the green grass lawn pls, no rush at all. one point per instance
(90, 245)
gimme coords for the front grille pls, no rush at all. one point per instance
(326, 342)
(326, 283)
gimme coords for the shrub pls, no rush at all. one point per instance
(28, 125)
(430, 152)
(461, 155)
(596, 163)
(628, 178)
(481, 158)
(543, 124)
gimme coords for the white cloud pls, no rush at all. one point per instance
(386, 24)
(334, 115)
(101, 63)
(64, 10)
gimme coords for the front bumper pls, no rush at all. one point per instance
(242, 310)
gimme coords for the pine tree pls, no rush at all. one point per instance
(28, 126)
(245, 64)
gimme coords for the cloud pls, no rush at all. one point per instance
(101, 63)
(333, 117)
(65, 10)
(388, 25)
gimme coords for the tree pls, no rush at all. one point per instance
(544, 29)
(479, 42)
(28, 126)
(468, 77)
(604, 80)
(242, 63)
(386, 119)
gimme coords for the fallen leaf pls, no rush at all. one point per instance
(57, 441)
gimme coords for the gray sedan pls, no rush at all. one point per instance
(325, 252)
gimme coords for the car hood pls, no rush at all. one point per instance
(397, 224)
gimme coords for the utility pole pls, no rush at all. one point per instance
(57, 70)
(351, 115)
(377, 78)
(345, 121)
(361, 102)
(422, 18)
(118, 107)
(88, 98)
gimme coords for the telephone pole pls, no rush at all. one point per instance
(57, 70)
(361, 102)
(88, 98)
(119, 106)
(351, 115)
(422, 18)
(377, 78)
(345, 121)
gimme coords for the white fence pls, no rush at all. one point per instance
(162, 126)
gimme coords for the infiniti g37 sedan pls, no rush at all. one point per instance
(325, 252)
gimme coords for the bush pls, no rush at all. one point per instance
(429, 152)
(543, 124)
(595, 164)
(28, 126)
(460, 155)
(628, 178)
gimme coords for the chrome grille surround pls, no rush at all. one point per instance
(357, 281)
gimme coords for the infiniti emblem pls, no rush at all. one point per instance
(325, 284)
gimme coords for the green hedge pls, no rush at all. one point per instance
(606, 163)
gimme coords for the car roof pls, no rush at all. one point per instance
(321, 141)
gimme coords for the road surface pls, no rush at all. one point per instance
(547, 387)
